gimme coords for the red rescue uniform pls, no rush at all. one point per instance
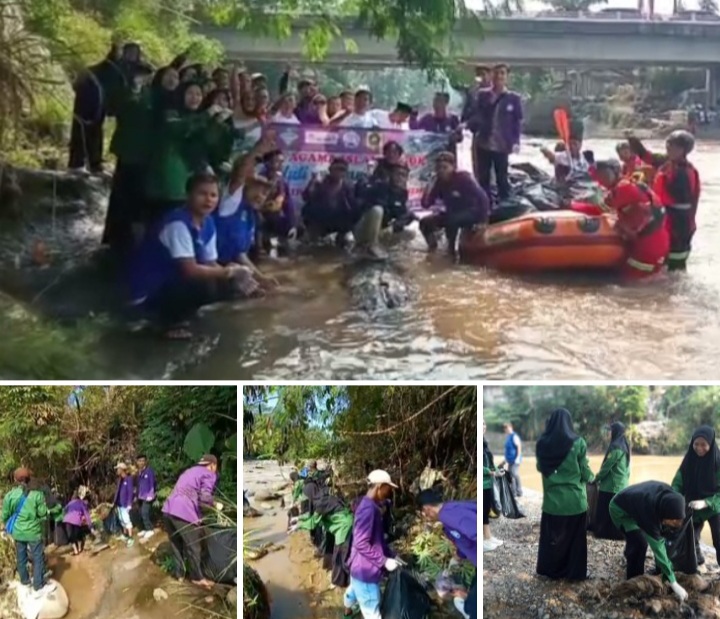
(634, 165)
(641, 221)
(677, 185)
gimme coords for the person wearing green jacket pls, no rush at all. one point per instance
(489, 471)
(562, 460)
(646, 513)
(613, 477)
(24, 511)
(698, 480)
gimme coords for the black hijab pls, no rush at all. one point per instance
(487, 455)
(556, 442)
(180, 97)
(618, 441)
(649, 503)
(699, 475)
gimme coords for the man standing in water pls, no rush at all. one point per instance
(459, 520)
(369, 555)
(513, 457)
(147, 491)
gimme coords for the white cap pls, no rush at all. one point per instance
(121, 466)
(380, 477)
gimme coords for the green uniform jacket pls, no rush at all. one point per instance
(30, 523)
(625, 522)
(178, 152)
(487, 473)
(614, 473)
(297, 492)
(339, 524)
(564, 491)
(131, 142)
(713, 501)
(219, 139)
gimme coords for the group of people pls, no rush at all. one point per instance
(354, 540)
(643, 514)
(30, 506)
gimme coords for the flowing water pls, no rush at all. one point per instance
(476, 324)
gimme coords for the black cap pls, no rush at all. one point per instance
(428, 497)
(403, 108)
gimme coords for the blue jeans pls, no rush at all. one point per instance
(145, 507)
(34, 551)
(471, 603)
(366, 595)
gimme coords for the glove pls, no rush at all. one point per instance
(391, 565)
(219, 506)
(589, 156)
(679, 591)
(294, 521)
(292, 529)
(292, 235)
(698, 505)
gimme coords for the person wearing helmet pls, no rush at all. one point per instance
(677, 185)
(641, 221)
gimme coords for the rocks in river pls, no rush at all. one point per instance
(267, 495)
(160, 595)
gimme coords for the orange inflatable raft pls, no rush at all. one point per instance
(547, 241)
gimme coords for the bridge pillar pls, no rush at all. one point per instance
(712, 86)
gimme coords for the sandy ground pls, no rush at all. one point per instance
(512, 590)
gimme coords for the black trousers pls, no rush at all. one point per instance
(86, 144)
(471, 603)
(714, 522)
(563, 547)
(635, 549)
(488, 499)
(681, 234)
(187, 541)
(179, 301)
(486, 160)
(451, 222)
(126, 206)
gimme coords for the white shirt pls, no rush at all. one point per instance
(372, 119)
(281, 119)
(575, 165)
(178, 240)
(230, 202)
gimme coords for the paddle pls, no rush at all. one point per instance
(562, 124)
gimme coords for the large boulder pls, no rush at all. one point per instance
(256, 602)
(54, 605)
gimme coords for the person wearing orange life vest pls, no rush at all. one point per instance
(641, 221)
(677, 185)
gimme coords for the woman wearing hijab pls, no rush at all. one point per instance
(613, 477)
(562, 461)
(646, 513)
(489, 471)
(698, 480)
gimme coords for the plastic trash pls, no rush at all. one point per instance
(405, 597)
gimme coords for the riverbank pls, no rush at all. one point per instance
(512, 590)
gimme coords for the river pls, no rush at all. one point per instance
(477, 324)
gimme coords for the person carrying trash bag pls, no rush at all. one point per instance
(698, 480)
(370, 556)
(647, 513)
(24, 513)
(459, 520)
(613, 476)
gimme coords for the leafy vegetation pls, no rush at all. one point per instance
(682, 408)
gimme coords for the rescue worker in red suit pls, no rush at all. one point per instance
(677, 185)
(641, 221)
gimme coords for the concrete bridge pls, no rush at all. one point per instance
(538, 41)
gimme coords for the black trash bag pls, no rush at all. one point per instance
(111, 524)
(340, 570)
(404, 597)
(508, 505)
(681, 548)
(592, 499)
(60, 536)
(510, 209)
(220, 554)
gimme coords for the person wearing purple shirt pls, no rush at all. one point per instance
(496, 123)
(124, 496)
(278, 217)
(77, 520)
(182, 517)
(440, 121)
(146, 493)
(370, 555)
(465, 203)
(459, 520)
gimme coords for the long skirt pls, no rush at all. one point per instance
(604, 526)
(340, 570)
(563, 547)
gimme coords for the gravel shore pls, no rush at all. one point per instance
(512, 590)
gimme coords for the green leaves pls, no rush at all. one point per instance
(199, 440)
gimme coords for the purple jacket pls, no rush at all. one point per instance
(288, 213)
(459, 519)
(434, 124)
(369, 550)
(502, 113)
(75, 511)
(124, 493)
(146, 484)
(460, 193)
(195, 487)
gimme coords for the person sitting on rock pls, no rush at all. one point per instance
(464, 203)
(24, 513)
(330, 204)
(459, 520)
(77, 520)
(183, 517)
(646, 513)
